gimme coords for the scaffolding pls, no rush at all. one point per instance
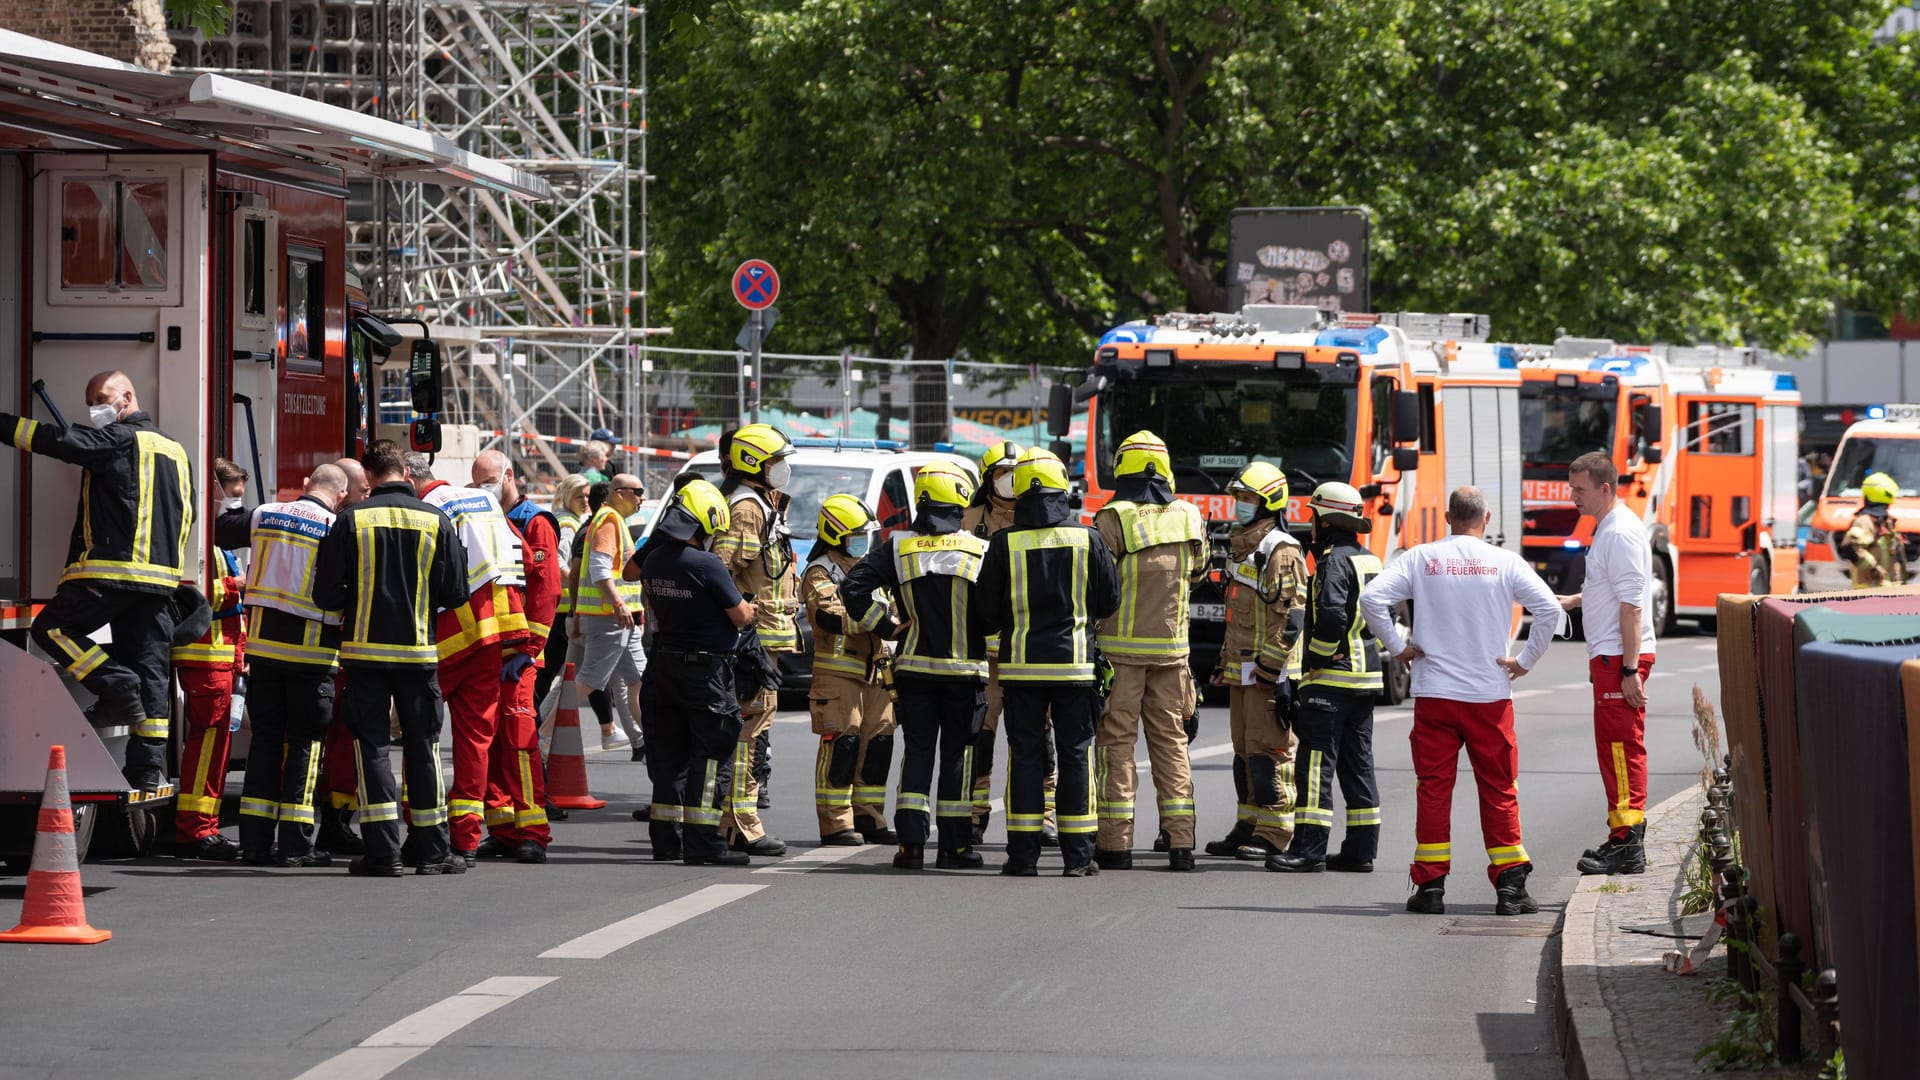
(543, 306)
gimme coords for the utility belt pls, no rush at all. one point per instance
(690, 657)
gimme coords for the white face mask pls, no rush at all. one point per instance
(102, 415)
(779, 473)
(493, 489)
(1245, 512)
(859, 544)
(232, 504)
(1003, 483)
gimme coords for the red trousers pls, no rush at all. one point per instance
(203, 758)
(1440, 728)
(1620, 734)
(471, 686)
(339, 779)
(516, 786)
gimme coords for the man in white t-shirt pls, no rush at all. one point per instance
(1617, 602)
(1464, 589)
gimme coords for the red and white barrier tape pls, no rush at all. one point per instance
(650, 451)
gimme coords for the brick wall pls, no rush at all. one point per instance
(134, 31)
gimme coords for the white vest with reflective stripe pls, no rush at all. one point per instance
(915, 557)
(493, 550)
(286, 539)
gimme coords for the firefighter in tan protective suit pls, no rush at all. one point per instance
(1266, 609)
(1872, 544)
(1160, 543)
(851, 710)
(990, 512)
(757, 548)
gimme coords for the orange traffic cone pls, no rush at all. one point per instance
(55, 912)
(566, 758)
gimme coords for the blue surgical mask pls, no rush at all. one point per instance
(1245, 512)
(858, 544)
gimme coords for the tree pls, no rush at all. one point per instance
(207, 16)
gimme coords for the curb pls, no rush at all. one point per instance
(1582, 1023)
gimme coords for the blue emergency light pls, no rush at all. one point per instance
(822, 443)
(1876, 412)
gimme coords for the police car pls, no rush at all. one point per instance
(878, 471)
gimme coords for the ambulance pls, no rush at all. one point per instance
(1887, 441)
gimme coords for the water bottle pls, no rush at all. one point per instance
(238, 709)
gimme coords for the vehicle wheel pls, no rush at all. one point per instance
(1398, 682)
(85, 817)
(126, 832)
(16, 863)
(1665, 623)
(1760, 576)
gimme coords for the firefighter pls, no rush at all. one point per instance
(1334, 716)
(940, 665)
(1260, 661)
(1872, 544)
(389, 563)
(757, 547)
(692, 709)
(1045, 584)
(1160, 544)
(849, 706)
(292, 646)
(516, 815)
(608, 616)
(127, 556)
(206, 668)
(473, 638)
(1464, 589)
(339, 780)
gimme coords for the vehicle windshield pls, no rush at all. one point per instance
(810, 486)
(1556, 426)
(1214, 426)
(1861, 457)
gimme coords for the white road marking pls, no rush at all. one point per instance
(811, 859)
(601, 943)
(402, 1041)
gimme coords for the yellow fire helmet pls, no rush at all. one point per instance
(1004, 454)
(942, 483)
(704, 502)
(756, 446)
(1039, 470)
(1879, 489)
(1143, 452)
(1340, 506)
(842, 516)
(1263, 479)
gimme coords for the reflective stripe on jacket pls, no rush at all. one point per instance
(934, 578)
(759, 554)
(224, 643)
(589, 597)
(389, 563)
(1159, 549)
(847, 651)
(1044, 586)
(1266, 585)
(1341, 652)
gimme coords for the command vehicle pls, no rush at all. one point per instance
(1889, 442)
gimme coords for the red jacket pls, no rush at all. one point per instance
(539, 536)
(223, 646)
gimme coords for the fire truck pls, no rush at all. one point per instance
(1887, 441)
(1404, 406)
(190, 231)
(1708, 446)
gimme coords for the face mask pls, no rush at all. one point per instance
(859, 544)
(232, 504)
(102, 415)
(493, 489)
(1245, 512)
(778, 474)
(1003, 483)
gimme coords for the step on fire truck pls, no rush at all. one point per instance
(1406, 407)
(1888, 441)
(191, 232)
(1707, 443)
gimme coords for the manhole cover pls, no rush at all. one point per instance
(1496, 926)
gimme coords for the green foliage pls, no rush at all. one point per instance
(1746, 1041)
(1698, 894)
(210, 17)
(1003, 181)
(1835, 1067)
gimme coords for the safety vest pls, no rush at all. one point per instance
(1251, 599)
(1015, 650)
(565, 521)
(589, 597)
(768, 570)
(221, 646)
(1362, 670)
(283, 623)
(156, 553)
(1151, 623)
(1885, 548)
(848, 653)
(392, 628)
(493, 612)
(916, 561)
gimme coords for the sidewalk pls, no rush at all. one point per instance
(1617, 1013)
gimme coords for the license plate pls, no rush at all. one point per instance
(1208, 612)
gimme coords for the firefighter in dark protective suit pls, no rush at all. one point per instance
(1046, 584)
(689, 700)
(1335, 710)
(941, 664)
(128, 554)
(389, 563)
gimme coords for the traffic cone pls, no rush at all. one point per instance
(567, 759)
(55, 912)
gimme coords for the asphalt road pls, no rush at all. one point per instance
(832, 966)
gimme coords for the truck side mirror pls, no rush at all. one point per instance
(423, 376)
(1654, 423)
(1062, 449)
(1406, 416)
(1651, 455)
(1406, 458)
(1060, 411)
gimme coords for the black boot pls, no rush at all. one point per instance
(366, 866)
(843, 838)
(1510, 892)
(1113, 860)
(1627, 856)
(874, 832)
(723, 858)
(530, 851)
(768, 846)
(212, 848)
(645, 813)
(1349, 864)
(1180, 858)
(1429, 899)
(1254, 849)
(1229, 848)
(336, 833)
(1286, 862)
(1049, 834)
(1162, 842)
(958, 859)
(910, 857)
(1635, 835)
(492, 847)
(979, 826)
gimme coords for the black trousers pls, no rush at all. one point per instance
(1335, 728)
(692, 724)
(1075, 709)
(136, 666)
(289, 707)
(413, 693)
(554, 659)
(938, 720)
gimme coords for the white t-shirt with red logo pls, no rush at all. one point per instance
(1619, 570)
(1463, 591)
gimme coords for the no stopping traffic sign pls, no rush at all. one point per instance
(756, 285)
